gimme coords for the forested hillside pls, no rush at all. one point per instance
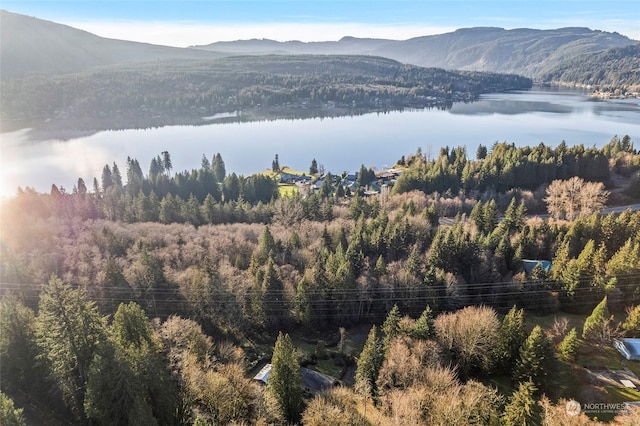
(31, 46)
(617, 68)
(528, 52)
(150, 299)
(183, 92)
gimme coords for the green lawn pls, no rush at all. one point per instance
(546, 321)
(287, 190)
(593, 356)
(617, 394)
(285, 169)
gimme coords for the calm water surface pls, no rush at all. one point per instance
(376, 139)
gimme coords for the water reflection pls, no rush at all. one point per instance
(60, 154)
(508, 107)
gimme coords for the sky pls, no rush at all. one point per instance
(188, 22)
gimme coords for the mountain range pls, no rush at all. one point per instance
(33, 46)
(527, 52)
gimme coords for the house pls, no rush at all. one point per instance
(528, 265)
(293, 178)
(629, 348)
(313, 382)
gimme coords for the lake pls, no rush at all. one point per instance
(377, 139)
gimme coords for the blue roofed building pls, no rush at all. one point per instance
(528, 265)
(629, 348)
(313, 382)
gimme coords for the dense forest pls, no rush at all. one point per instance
(164, 92)
(616, 68)
(148, 298)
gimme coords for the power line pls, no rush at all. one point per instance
(164, 305)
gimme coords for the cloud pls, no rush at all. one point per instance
(183, 34)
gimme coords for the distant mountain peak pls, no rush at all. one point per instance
(30, 45)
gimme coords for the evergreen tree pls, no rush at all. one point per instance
(583, 278)
(82, 187)
(514, 216)
(597, 326)
(365, 176)
(490, 216)
(113, 393)
(69, 332)
(536, 361)
(219, 170)
(632, 324)
(18, 349)
(413, 265)
(114, 286)
(231, 188)
(116, 177)
(390, 327)
(477, 215)
(481, 152)
(166, 162)
(275, 165)
(274, 304)
(134, 340)
(370, 361)
(205, 164)
(625, 263)
(191, 211)
(266, 248)
(522, 409)
(511, 336)
(170, 210)
(569, 345)
(135, 177)
(152, 210)
(209, 210)
(107, 180)
(9, 415)
(381, 267)
(423, 327)
(285, 379)
(313, 168)
(430, 213)
(155, 168)
(96, 187)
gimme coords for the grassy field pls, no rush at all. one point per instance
(285, 169)
(287, 190)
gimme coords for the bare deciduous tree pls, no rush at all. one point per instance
(574, 197)
(470, 334)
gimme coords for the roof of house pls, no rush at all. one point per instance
(629, 348)
(528, 265)
(312, 381)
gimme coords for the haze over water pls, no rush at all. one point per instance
(376, 139)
